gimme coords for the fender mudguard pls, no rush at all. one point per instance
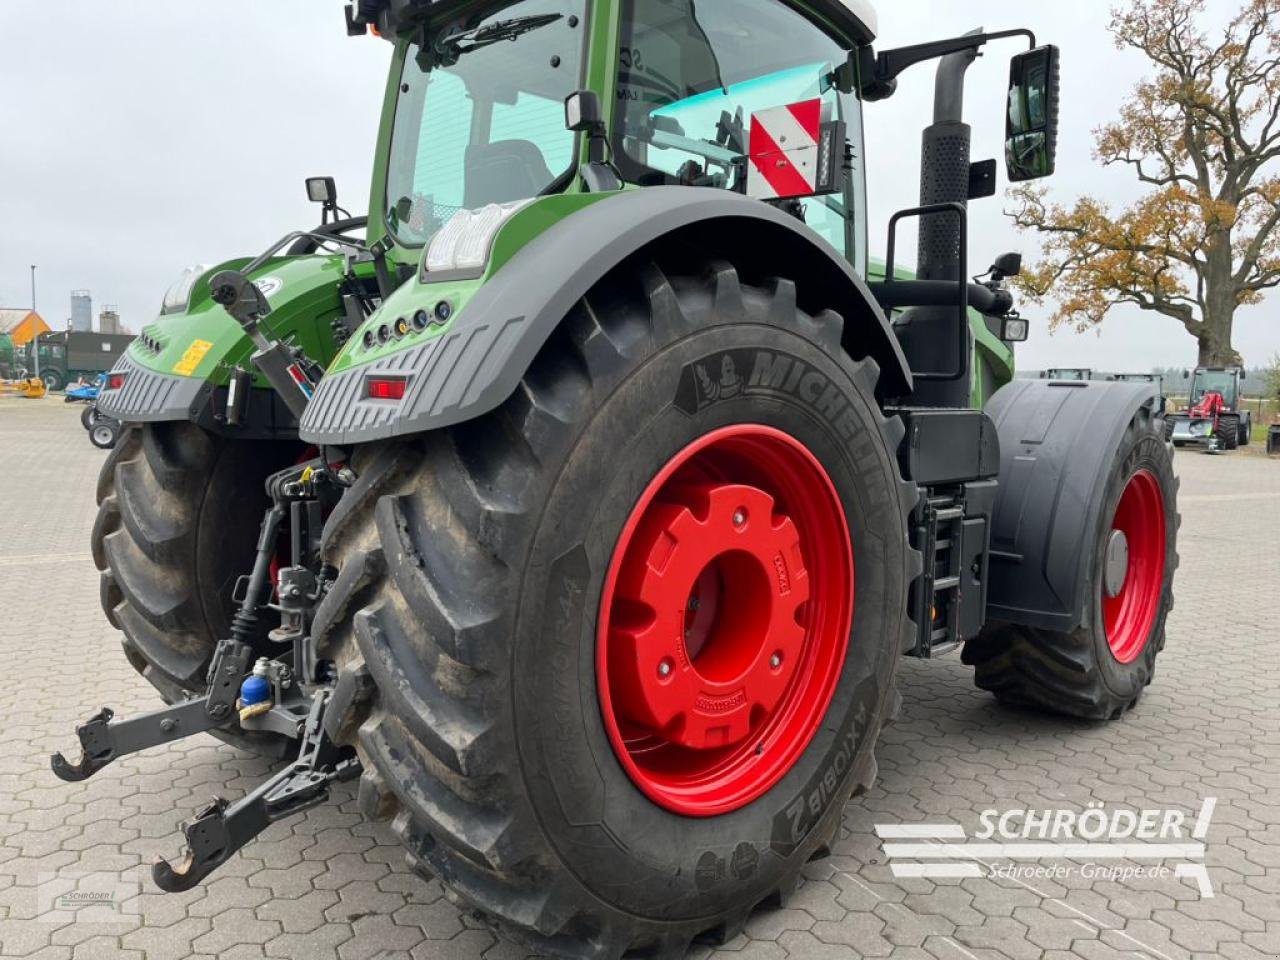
(476, 365)
(1058, 442)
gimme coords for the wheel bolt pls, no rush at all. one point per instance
(740, 517)
(664, 668)
(776, 660)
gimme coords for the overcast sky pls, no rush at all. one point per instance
(137, 139)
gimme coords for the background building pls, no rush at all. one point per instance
(21, 324)
(109, 320)
(81, 311)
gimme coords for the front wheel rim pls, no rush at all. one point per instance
(724, 620)
(1129, 615)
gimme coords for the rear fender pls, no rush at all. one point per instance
(478, 362)
(1058, 442)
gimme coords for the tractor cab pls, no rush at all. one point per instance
(1226, 382)
(504, 118)
(698, 96)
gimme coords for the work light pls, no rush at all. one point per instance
(178, 297)
(464, 243)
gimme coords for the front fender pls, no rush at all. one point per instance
(478, 362)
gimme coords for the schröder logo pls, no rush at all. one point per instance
(1155, 843)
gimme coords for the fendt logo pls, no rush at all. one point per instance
(1116, 845)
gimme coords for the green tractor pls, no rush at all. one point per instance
(1155, 378)
(584, 506)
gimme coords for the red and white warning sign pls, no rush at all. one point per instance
(784, 151)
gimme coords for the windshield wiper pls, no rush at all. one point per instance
(452, 45)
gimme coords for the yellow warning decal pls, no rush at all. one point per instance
(191, 359)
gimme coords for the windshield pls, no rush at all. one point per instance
(480, 118)
(1213, 381)
(692, 75)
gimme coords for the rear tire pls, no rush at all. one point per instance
(87, 416)
(464, 620)
(178, 517)
(1092, 672)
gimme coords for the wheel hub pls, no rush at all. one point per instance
(724, 620)
(1134, 566)
(721, 581)
(1117, 562)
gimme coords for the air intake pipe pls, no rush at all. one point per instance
(930, 339)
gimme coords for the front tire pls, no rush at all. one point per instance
(1100, 669)
(178, 516)
(104, 433)
(1228, 432)
(467, 616)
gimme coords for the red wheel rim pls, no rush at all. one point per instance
(724, 620)
(1128, 616)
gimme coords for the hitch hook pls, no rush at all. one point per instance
(96, 749)
(220, 829)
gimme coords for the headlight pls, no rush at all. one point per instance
(178, 297)
(465, 241)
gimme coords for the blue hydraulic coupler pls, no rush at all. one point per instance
(255, 692)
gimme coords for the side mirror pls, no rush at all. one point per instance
(1006, 265)
(1031, 124)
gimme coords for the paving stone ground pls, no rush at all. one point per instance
(73, 857)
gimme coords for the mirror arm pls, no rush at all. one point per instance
(889, 64)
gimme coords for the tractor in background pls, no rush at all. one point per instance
(1214, 417)
(1066, 373)
(1155, 378)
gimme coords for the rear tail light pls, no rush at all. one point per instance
(115, 381)
(386, 388)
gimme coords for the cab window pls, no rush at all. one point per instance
(480, 118)
(691, 76)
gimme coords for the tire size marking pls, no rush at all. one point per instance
(566, 594)
(802, 814)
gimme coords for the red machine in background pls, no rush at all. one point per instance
(1213, 416)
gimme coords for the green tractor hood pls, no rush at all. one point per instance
(179, 366)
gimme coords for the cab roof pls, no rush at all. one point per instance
(856, 17)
